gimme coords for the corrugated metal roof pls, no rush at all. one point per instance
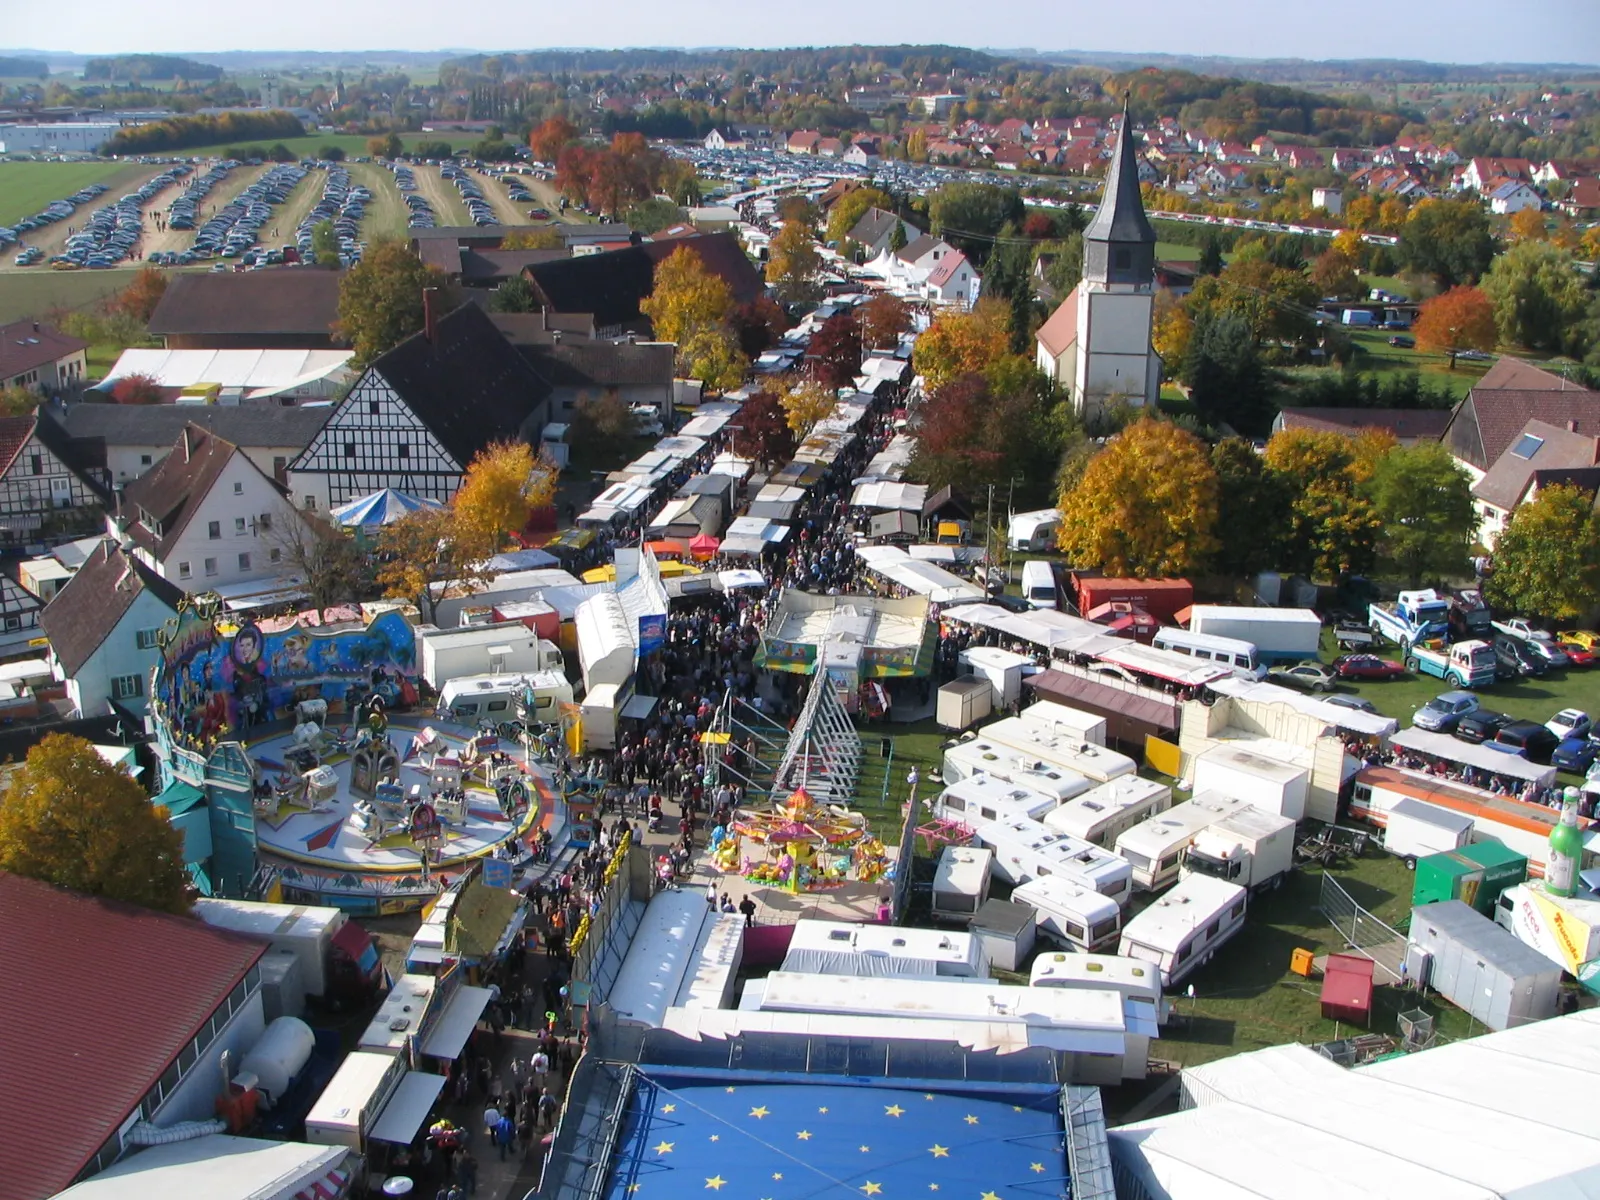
(100, 997)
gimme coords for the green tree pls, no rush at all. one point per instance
(1063, 264)
(1210, 261)
(18, 401)
(1547, 560)
(325, 244)
(380, 298)
(970, 216)
(1450, 240)
(1331, 529)
(1424, 500)
(330, 152)
(515, 295)
(1222, 369)
(70, 818)
(1252, 509)
(653, 215)
(1538, 297)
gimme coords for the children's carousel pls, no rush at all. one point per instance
(799, 845)
(355, 800)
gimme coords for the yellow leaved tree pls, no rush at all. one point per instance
(806, 405)
(959, 343)
(693, 308)
(505, 482)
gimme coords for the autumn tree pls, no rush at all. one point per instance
(758, 323)
(1146, 505)
(1331, 528)
(806, 404)
(551, 138)
(1457, 320)
(883, 319)
(959, 343)
(1252, 509)
(834, 355)
(334, 567)
(851, 207)
(421, 550)
(692, 307)
(599, 424)
(137, 389)
(380, 298)
(504, 483)
(1448, 239)
(547, 238)
(140, 297)
(713, 357)
(763, 435)
(1527, 225)
(1547, 559)
(1424, 501)
(970, 216)
(793, 264)
(1171, 327)
(1334, 274)
(18, 401)
(1538, 296)
(70, 818)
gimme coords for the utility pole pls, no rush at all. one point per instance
(988, 543)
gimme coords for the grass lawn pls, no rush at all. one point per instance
(1375, 357)
(1172, 252)
(353, 144)
(27, 187)
(34, 292)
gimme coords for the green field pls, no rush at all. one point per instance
(34, 292)
(353, 144)
(1172, 252)
(26, 187)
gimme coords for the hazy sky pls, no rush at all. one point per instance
(1436, 30)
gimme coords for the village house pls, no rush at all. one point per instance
(1511, 393)
(46, 486)
(1513, 196)
(281, 308)
(875, 231)
(1539, 455)
(40, 358)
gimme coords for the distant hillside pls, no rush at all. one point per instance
(1240, 109)
(1305, 70)
(910, 59)
(135, 67)
(23, 68)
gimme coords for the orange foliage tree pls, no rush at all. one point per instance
(1460, 319)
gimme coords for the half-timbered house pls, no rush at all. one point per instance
(45, 486)
(19, 618)
(417, 416)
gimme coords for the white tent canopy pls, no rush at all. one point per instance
(254, 374)
(1046, 627)
(1453, 749)
(1353, 719)
(917, 577)
(890, 497)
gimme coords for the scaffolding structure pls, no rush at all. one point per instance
(823, 754)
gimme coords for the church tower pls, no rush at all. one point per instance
(1097, 343)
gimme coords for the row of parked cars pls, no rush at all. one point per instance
(111, 233)
(1567, 740)
(422, 214)
(343, 204)
(236, 227)
(50, 214)
(478, 207)
(185, 211)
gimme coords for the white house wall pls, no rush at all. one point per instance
(127, 463)
(255, 496)
(39, 481)
(117, 657)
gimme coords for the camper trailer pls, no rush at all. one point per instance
(1154, 847)
(1034, 531)
(1063, 749)
(1025, 850)
(1103, 813)
(961, 882)
(1062, 718)
(974, 759)
(1094, 972)
(1181, 931)
(474, 699)
(1072, 912)
(983, 798)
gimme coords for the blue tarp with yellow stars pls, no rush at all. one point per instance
(735, 1136)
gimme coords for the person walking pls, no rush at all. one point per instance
(491, 1117)
(540, 1065)
(505, 1134)
(548, 1105)
(467, 1172)
(748, 907)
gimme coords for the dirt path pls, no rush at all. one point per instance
(171, 240)
(386, 213)
(52, 239)
(286, 217)
(549, 197)
(446, 201)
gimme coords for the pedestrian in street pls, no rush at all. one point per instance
(540, 1065)
(491, 1118)
(505, 1133)
(467, 1172)
(711, 895)
(748, 907)
(548, 1105)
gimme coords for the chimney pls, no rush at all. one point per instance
(430, 326)
(1572, 425)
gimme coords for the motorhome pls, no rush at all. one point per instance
(1154, 847)
(979, 758)
(983, 798)
(1521, 826)
(1182, 930)
(1102, 813)
(961, 882)
(859, 948)
(1128, 976)
(1061, 749)
(1039, 584)
(1063, 718)
(474, 699)
(1071, 912)
(1025, 850)
(1252, 848)
(1208, 647)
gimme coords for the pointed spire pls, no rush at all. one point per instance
(1120, 217)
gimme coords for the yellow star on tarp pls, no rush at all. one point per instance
(872, 1189)
(777, 1175)
(933, 1187)
(716, 1137)
(804, 1135)
(759, 1111)
(939, 1151)
(864, 1149)
(1036, 1168)
(668, 1108)
(893, 1110)
(716, 1181)
(823, 1110)
(988, 1196)
(665, 1148)
(632, 1187)
(730, 1090)
(970, 1119)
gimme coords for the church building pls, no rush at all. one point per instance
(1097, 343)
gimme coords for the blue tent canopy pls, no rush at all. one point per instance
(380, 508)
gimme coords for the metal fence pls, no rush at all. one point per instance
(1361, 931)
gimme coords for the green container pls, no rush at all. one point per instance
(1474, 874)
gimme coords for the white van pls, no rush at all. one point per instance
(472, 699)
(961, 883)
(1182, 930)
(1209, 647)
(1071, 912)
(1039, 584)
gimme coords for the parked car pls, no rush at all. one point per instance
(1587, 638)
(1579, 656)
(1355, 702)
(1528, 738)
(1480, 726)
(1521, 629)
(1575, 754)
(1547, 651)
(1570, 723)
(1367, 666)
(1403, 342)
(1516, 654)
(1308, 676)
(1444, 712)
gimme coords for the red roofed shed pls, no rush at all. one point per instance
(1347, 989)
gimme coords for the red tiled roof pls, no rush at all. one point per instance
(14, 435)
(27, 345)
(1061, 330)
(99, 999)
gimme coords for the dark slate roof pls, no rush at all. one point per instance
(100, 998)
(873, 227)
(1120, 217)
(1486, 422)
(1517, 375)
(918, 246)
(492, 266)
(611, 284)
(277, 301)
(542, 327)
(585, 364)
(468, 385)
(83, 613)
(159, 424)
(1407, 424)
(171, 491)
(28, 345)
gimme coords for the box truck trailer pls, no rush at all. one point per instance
(1270, 785)
(1154, 847)
(339, 964)
(1417, 829)
(1252, 848)
(1278, 634)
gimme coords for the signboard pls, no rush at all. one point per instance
(497, 873)
(652, 633)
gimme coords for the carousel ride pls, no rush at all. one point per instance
(799, 845)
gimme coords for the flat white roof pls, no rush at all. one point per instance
(718, 952)
(1053, 714)
(268, 920)
(351, 1089)
(997, 793)
(1155, 835)
(1453, 749)
(450, 1032)
(1064, 747)
(1091, 970)
(1098, 805)
(891, 941)
(962, 868)
(699, 1024)
(400, 1015)
(1250, 612)
(1163, 664)
(1180, 910)
(1023, 843)
(258, 372)
(1235, 758)
(995, 658)
(659, 956)
(218, 1167)
(1063, 893)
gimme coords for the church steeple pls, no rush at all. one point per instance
(1119, 247)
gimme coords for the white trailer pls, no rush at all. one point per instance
(1279, 634)
(1025, 850)
(1063, 718)
(1001, 668)
(1063, 749)
(1154, 847)
(976, 759)
(1102, 813)
(961, 882)
(354, 1099)
(982, 798)
(304, 930)
(1270, 785)
(1035, 530)
(856, 948)
(1252, 848)
(1127, 976)
(473, 699)
(1417, 829)
(504, 649)
(1181, 931)
(1071, 912)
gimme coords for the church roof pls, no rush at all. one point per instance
(1120, 217)
(1061, 330)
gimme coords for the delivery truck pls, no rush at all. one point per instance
(339, 964)
(1251, 848)
(1071, 912)
(1272, 786)
(1154, 847)
(1417, 616)
(1417, 829)
(1278, 634)
(1183, 930)
(1464, 665)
